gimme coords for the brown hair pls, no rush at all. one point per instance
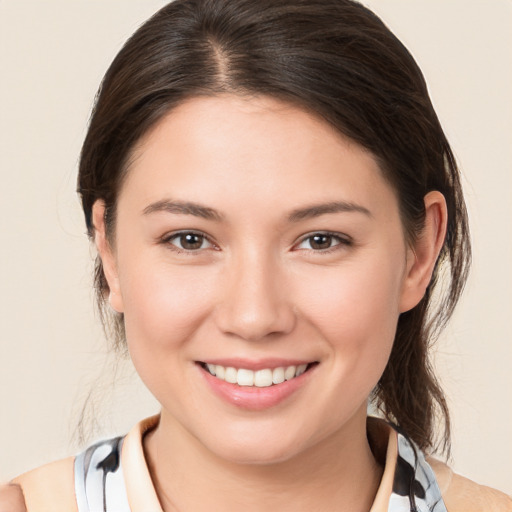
(334, 58)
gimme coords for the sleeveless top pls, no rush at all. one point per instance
(100, 484)
(113, 476)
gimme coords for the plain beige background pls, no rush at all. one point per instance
(53, 54)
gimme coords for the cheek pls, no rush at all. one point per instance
(164, 308)
(355, 308)
(354, 304)
(164, 304)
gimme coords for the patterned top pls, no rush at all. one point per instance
(100, 484)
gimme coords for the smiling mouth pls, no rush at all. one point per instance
(263, 378)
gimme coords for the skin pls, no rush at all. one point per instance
(11, 498)
(257, 287)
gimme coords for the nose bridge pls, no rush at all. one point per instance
(255, 303)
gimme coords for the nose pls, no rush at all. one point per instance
(254, 303)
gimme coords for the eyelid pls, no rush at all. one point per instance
(166, 239)
(343, 240)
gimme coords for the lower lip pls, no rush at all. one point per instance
(252, 397)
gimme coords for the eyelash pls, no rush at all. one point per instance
(173, 236)
(342, 241)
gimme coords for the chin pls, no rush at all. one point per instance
(259, 446)
(256, 455)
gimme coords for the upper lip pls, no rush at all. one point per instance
(256, 364)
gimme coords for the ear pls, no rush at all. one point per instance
(107, 256)
(422, 256)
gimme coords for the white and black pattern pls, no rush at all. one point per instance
(415, 486)
(100, 485)
(99, 481)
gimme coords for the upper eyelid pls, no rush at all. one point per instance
(174, 234)
(339, 236)
(344, 242)
(181, 232)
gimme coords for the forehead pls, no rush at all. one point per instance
(257, 149)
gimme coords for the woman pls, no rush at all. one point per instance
(273, 202)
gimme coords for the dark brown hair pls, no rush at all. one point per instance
(334, 58)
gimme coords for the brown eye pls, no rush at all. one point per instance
(189, 241)
(320, 241)
(323, 242)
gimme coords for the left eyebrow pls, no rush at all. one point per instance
(316, 210)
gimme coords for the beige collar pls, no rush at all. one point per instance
(142, 495)
(139, 486)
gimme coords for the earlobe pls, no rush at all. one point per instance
(423, 255)
(107, 256)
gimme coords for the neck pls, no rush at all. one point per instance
(337, 474)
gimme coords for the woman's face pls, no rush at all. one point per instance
(253, 238)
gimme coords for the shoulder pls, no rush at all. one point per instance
(50, 488)
(463, 495)
(76, 483)
(81, 483)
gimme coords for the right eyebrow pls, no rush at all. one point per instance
(183, 208)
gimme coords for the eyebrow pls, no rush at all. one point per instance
(205, 212)
(316, 210)
(184, 208)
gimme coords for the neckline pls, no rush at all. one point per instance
(142, 495)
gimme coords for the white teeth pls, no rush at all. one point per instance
(278, 375)
(289, 373)
(220, 371)
(260, 378)
(245, 377)
(231, 375)
(300, 369)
